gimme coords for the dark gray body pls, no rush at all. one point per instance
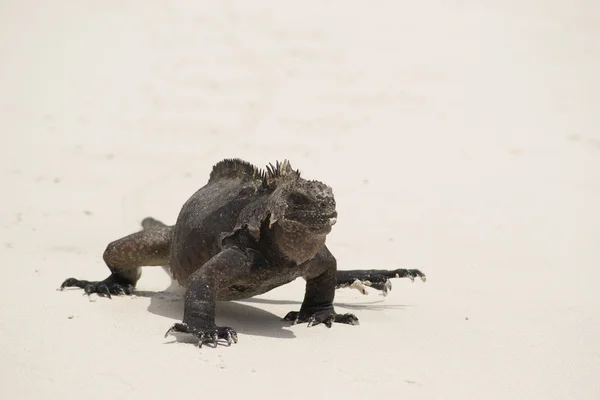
(244, 233)
(210, 214)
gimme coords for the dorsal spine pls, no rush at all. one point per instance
(236, 168)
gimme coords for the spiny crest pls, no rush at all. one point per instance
(236, 168)
(281, 170)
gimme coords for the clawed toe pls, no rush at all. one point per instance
(378, 282)
(292, 316)
(230, 336)
(206, 336)
(70, 282)
(105, 288)
(317, 319)
(348, 319)
(381, 279)
(322, 317)
(410, 274)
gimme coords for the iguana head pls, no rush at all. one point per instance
(300, 203)
(293, 213)
(311, 204)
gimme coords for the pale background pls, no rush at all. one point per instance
(460, 137)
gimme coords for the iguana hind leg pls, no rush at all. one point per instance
(378, 279)
(125, 257)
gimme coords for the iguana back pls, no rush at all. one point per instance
(211, 212)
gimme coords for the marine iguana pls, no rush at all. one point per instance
(245, 232)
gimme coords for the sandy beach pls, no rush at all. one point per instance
(461, 138)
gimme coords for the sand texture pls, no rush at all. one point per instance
(460, 137)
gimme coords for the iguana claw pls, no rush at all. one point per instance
(206, 336)
(105, 288)
(324, 317)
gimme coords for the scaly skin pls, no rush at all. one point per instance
(244, 233)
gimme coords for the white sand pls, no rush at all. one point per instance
(459, 137)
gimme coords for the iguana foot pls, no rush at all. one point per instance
(326, 317)
(408, 273)
(385, 287)
(207, 335)
(105, 288)
(375, 278)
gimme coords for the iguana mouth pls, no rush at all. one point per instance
(327, 219)
(314, 219)
(331, 218)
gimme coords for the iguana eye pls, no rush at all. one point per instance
(299, 199)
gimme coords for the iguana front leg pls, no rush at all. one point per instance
(378, 279)
(317, 306)
(201, 297)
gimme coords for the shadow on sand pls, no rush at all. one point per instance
(246, 316)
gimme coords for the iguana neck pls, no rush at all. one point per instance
(295, 242)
